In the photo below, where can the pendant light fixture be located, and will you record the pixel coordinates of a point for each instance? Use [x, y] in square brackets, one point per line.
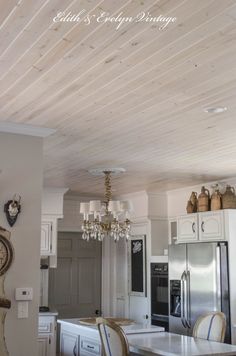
[108, 218]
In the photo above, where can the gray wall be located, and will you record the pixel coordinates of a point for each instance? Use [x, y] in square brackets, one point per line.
[22, 169]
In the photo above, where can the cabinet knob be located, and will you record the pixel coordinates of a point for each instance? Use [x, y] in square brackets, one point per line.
[193, 227]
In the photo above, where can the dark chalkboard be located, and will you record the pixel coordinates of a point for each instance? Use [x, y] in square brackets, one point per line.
[138, 265]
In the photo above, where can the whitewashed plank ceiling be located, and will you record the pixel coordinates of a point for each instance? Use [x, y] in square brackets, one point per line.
[131, 97]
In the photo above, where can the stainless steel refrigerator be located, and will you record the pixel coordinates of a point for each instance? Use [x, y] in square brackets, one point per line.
[198, 283]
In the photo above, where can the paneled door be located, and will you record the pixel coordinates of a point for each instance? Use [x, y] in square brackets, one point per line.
[75, 285]
[43, 341]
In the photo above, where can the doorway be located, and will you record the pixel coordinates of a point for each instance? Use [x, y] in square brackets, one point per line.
[75, 285]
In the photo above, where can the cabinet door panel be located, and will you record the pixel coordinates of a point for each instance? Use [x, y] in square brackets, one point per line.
[187, 228]
[69, 344]
[89, 347]
[211, 226]
[43, 342]
[46, 238]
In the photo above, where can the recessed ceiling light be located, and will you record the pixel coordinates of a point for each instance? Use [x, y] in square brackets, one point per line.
[215, 110]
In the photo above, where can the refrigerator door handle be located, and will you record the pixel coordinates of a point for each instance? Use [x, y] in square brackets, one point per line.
[183, 299]
[218, 277]
[188, 320]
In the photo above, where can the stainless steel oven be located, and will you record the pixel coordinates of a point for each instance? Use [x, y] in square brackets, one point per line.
[159, 295]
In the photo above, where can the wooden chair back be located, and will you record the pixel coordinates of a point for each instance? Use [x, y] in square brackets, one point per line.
[210, 326]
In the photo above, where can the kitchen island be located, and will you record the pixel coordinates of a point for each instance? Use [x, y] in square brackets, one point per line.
[169, 344]
[83, 340]
[78, 339]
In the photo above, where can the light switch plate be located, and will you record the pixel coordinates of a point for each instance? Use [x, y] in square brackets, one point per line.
[22, 310]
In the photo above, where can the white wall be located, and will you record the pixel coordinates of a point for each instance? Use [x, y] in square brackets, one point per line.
[52, 201]
[21, 166]
[72, 219]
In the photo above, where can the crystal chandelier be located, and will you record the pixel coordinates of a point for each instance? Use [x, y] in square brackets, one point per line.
[107, 218]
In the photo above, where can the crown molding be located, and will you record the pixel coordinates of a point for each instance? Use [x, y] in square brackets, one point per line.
[52, 190]
[158, 217]
[25, 129]
[230, 180]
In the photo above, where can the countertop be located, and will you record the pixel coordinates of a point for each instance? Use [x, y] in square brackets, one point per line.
[51, 312]
[128, 329]
[169, 344]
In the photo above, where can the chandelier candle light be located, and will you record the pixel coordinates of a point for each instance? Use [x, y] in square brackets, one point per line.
[107, 218]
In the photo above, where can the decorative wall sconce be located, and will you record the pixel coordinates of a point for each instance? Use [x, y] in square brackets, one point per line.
[12, 209]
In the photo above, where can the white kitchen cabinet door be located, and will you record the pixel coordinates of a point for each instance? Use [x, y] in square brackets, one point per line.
[43, 345]
[47, 335]
[69, 344]
[89, 347]
[46, 238]
[187, 227]
[211, 226]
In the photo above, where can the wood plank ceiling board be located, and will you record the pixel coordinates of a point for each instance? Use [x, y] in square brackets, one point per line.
[93, 60]
[108, 101]
[97, 73]
[132, 97]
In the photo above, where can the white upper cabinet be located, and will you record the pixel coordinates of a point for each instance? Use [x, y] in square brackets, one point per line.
[52, 210]
[46, 238]
[187, 228]
[211, 226]
[207, 226]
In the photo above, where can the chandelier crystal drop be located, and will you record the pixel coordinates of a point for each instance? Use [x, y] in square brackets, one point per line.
[107, 218]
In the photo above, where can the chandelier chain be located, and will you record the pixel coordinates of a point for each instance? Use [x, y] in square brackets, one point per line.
[107, 187]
